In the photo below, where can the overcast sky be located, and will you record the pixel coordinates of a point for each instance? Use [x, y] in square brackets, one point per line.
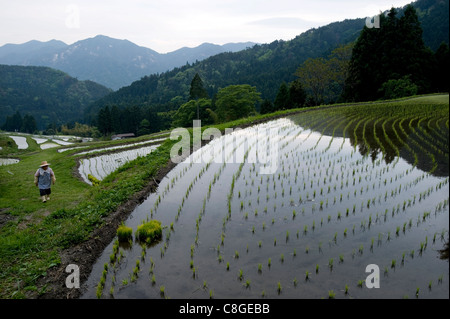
[167, 25]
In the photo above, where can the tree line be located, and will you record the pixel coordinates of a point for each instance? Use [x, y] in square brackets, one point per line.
[17, 123]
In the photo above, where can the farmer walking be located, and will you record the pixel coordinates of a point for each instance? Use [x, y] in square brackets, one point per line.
[43, 179]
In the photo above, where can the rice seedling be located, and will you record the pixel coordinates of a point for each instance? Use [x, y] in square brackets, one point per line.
[241, 275]
[346, 289]
[317, 268]
[149, 231]
[307, 275]
[279, 288]
[331, 294]
[124, 233]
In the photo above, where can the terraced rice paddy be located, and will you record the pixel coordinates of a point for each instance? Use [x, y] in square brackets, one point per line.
[20, 141]
[8, 161]
[354, 186]
[103, 165]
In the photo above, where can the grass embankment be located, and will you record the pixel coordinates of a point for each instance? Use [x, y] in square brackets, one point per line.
[33, 234]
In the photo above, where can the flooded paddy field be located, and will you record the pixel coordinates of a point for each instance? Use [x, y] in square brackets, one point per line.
[352, 187]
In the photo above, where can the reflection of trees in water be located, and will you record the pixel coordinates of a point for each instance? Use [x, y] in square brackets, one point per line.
[444, 252]
[391, 136]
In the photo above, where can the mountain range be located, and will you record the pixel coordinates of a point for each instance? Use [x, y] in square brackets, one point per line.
[111, 62]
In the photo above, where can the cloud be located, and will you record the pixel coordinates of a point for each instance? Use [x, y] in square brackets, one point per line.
[284, 23]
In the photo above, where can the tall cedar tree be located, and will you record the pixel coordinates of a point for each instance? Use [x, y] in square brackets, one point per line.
[391, 52]
[282, 98]
[297, 95]
[197, 90]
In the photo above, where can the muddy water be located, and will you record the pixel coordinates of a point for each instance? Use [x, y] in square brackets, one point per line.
[350, 211]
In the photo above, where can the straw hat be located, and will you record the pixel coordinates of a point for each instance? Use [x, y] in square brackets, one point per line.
[44, 163]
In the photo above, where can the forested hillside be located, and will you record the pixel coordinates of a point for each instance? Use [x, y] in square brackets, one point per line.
[265, 66]
[48, 95]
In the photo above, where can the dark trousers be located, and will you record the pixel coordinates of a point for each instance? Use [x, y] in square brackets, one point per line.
[44, 192]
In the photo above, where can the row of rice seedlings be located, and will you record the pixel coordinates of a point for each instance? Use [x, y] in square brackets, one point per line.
[103, 165]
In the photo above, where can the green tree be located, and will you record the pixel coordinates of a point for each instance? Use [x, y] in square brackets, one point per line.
[17, 122]
[132, 117]
[116, 126]
[393, 89]
[339, 62]
[442, 59]
[188, 112]
[197, 90]
[267, 107]
[416, 57]
[29, 124]
[315, 76]
[153, 118]
[104, 121]
[297, 95]
[393, 51]
[144, 127]
[282, 98]
[236, 101]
